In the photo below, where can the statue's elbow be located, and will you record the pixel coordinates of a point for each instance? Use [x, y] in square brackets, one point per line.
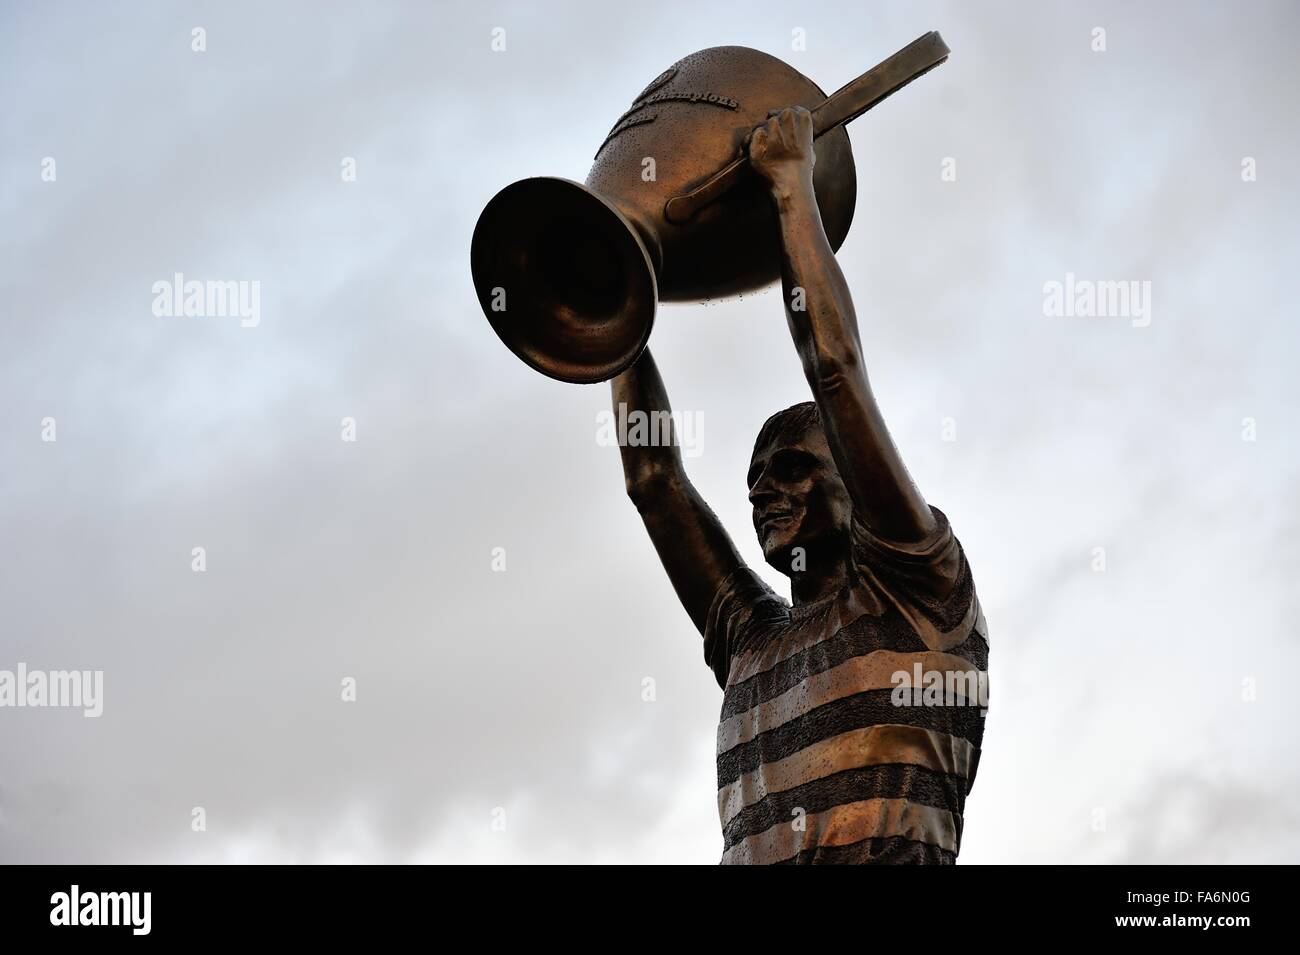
[644, 486]
[648, 486]
[831, 373]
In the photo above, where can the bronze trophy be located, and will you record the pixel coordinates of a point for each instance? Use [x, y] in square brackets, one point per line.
[569, 275]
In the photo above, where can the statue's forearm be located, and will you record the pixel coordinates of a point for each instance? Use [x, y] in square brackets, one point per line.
[692, 544]
[818, 304]
[825, 331]
[641, 389]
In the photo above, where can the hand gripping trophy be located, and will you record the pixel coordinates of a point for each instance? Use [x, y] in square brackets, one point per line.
[852, 715]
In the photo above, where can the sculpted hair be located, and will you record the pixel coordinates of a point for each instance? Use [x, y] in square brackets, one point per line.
[788, 425]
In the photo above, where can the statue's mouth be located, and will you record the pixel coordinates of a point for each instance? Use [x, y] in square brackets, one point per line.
[770, 520]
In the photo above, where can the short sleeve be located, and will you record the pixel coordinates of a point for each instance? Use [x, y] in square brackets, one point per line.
[742, 603]
[928, 581]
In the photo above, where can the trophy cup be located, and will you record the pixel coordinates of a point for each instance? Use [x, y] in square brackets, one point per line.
[569, 275]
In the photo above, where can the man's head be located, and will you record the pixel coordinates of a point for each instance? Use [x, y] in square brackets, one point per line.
[798, 497]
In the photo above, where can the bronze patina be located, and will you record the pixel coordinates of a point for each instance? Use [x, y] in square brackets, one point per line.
[852, 713]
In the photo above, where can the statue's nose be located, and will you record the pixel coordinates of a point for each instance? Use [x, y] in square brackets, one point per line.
[762, 492]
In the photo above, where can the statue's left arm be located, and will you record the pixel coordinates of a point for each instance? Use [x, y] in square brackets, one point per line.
[825, 331]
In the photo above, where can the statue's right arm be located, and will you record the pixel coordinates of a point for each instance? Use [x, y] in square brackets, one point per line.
[692, 544]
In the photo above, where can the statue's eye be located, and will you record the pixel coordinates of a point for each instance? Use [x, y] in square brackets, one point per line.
[795, 467]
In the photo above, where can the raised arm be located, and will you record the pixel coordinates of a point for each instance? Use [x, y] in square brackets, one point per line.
[693, 547]
[825, 331]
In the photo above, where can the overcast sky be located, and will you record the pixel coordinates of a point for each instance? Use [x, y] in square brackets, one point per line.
[1122, 725]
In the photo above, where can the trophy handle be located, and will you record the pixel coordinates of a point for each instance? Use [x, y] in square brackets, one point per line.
[844, 105]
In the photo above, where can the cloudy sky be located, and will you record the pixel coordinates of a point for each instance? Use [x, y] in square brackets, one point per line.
[1140, 713]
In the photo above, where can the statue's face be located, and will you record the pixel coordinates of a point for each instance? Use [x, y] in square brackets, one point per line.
[799, 501]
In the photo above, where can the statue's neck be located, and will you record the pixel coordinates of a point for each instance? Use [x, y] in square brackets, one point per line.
[820, 581]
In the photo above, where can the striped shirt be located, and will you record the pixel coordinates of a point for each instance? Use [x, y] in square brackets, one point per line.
[822, 758]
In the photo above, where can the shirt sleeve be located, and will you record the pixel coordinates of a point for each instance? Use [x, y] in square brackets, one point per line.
[928, 581]
[742, 603]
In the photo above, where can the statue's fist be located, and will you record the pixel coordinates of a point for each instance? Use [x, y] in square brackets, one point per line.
[783, 146]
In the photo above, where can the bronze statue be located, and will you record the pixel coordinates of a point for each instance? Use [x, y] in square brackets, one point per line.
[852, 716]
